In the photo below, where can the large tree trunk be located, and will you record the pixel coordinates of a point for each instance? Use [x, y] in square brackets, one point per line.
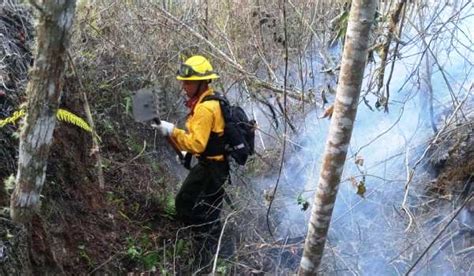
[347, 98]
[43, 91]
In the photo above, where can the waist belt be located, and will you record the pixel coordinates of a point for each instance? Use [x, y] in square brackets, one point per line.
[204, 158]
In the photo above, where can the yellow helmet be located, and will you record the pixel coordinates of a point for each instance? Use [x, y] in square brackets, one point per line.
[196, 68]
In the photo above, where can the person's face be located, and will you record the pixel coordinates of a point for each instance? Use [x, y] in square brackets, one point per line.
[190, 87]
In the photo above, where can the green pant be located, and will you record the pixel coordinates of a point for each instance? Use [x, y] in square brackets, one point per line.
[200, 198]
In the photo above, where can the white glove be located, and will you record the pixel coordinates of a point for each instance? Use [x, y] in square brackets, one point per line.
[165, 128]
[181, 161]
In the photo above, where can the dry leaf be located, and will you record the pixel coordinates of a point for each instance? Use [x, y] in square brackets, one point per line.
[361, 189]
[359, 161]
[354, 182]
[268, 196]
[93, 151]
[328, 112]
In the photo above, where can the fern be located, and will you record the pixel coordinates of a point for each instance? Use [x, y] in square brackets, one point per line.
[69, 117]
[12, 119]
[61, 115]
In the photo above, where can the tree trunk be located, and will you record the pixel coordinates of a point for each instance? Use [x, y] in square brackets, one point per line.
[394, 19]
[347, 98]
[426, 91]
[43, 92]
[426, 87]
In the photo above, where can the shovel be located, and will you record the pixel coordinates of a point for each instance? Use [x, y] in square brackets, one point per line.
[145, 109]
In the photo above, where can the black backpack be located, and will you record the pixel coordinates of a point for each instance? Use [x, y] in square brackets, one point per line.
[239, 131]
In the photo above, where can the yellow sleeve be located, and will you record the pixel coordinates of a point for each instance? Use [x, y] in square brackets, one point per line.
[195, 139]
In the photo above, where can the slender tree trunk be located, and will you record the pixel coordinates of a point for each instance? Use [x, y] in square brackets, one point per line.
[394, 17]
[347, 97]
[426, 91]
[43, 91]
[426, 87]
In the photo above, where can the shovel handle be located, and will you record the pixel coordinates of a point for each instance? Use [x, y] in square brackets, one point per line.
[175, 147]
[171, 142]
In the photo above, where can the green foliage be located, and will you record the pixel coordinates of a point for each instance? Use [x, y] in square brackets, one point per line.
[169, 205]
[12, 119]
[112, 198]
[181, 247]
[150, 260]
[8, 235]
[127, 106]
[61, 115]
[15, 135]
[340, 23]
[9, 184]
[134, 145]
[223, 267]
[133, 252]
[156, 167]
[105, 86]
[303, 202]
[108, 126]
[69, 117]
[5, 211]
[88, 55]
[135, 208]
[141, 251]
[83, 254]
[106, 163]
[361, 189]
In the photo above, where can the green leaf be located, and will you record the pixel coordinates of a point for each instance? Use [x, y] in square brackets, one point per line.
[8, 235]
[181, 246]
[170, 207]
[150, 260]
[145, 241]
[303, 202]
[133, 252]
[128, 101]
[105, 86]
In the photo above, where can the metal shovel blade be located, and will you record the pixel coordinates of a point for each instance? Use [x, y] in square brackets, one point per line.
[145, 105]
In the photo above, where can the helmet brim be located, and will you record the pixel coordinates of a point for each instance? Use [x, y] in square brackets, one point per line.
[197, 78]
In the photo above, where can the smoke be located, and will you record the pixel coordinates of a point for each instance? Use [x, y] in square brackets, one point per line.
[369, 232]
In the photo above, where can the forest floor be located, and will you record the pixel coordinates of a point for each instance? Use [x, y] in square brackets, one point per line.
[129, 226]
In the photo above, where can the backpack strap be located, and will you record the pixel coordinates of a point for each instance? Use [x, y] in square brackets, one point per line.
[216, 144]
[216, 97]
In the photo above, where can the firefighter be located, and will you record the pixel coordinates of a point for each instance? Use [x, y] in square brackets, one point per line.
[199, 200]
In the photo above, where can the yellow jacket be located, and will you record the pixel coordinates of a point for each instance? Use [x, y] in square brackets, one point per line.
[207, 117]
